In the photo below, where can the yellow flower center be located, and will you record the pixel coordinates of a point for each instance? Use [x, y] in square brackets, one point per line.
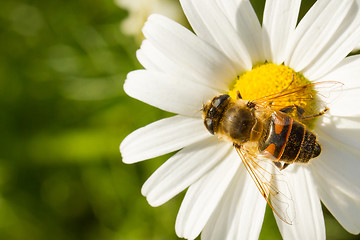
[269, 78]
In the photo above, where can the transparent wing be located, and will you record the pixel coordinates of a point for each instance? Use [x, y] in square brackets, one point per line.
[324, 93]
[268, 179]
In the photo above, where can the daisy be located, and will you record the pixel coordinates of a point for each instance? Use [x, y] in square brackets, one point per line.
[229, 52]
[357, 48]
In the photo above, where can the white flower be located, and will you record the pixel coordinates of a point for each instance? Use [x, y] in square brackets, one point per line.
[184, 71]
[140, 10]
[357, 48]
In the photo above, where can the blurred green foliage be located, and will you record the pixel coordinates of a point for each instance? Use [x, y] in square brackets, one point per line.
[63, 116]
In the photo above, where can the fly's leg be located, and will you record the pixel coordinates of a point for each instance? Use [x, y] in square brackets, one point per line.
[300, 112]
[238, 95]
[281, 166]
[290, 109]
[322, 112]
[284, 166]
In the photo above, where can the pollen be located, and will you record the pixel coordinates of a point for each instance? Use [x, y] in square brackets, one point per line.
[268, 79]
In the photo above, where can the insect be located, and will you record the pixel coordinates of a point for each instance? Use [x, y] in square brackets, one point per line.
[264, 127]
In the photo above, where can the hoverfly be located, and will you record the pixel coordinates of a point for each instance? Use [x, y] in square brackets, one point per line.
[263, 128]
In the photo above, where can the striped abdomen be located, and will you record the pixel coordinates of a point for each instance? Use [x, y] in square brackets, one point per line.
[288, 140]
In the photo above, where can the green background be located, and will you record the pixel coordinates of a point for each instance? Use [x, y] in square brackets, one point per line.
[63, 116]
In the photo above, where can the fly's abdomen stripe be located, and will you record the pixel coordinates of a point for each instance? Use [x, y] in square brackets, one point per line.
[307, 148]
[294, 143]
[278, 134]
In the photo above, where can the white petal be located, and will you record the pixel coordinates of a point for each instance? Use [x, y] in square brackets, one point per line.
[341, 44]
[168, 93]
[344, 208]
[175, 50]
[346, 72]
[344, 129]
[347, 101]
[212, 25]
[348, 104]
[356, 48]
[315, 29]
[183, 169]
[202, 197]
[280, 18]
[161, 137]
[243, 18]
[339, 164]
[309, 220]
[336, 172]
[240, 213]
[327, 33]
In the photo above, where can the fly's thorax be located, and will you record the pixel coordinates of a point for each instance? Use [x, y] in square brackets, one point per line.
[237, 122]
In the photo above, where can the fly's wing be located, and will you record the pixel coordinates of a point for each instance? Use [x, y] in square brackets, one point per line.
[319, 94]
[268, 179]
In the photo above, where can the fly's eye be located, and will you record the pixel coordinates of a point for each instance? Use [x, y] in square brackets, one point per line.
[216, 102]
[209, 124]
[212, 111]
[219, 100]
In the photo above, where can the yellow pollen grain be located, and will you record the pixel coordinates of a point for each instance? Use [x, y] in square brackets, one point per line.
[269, 78]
